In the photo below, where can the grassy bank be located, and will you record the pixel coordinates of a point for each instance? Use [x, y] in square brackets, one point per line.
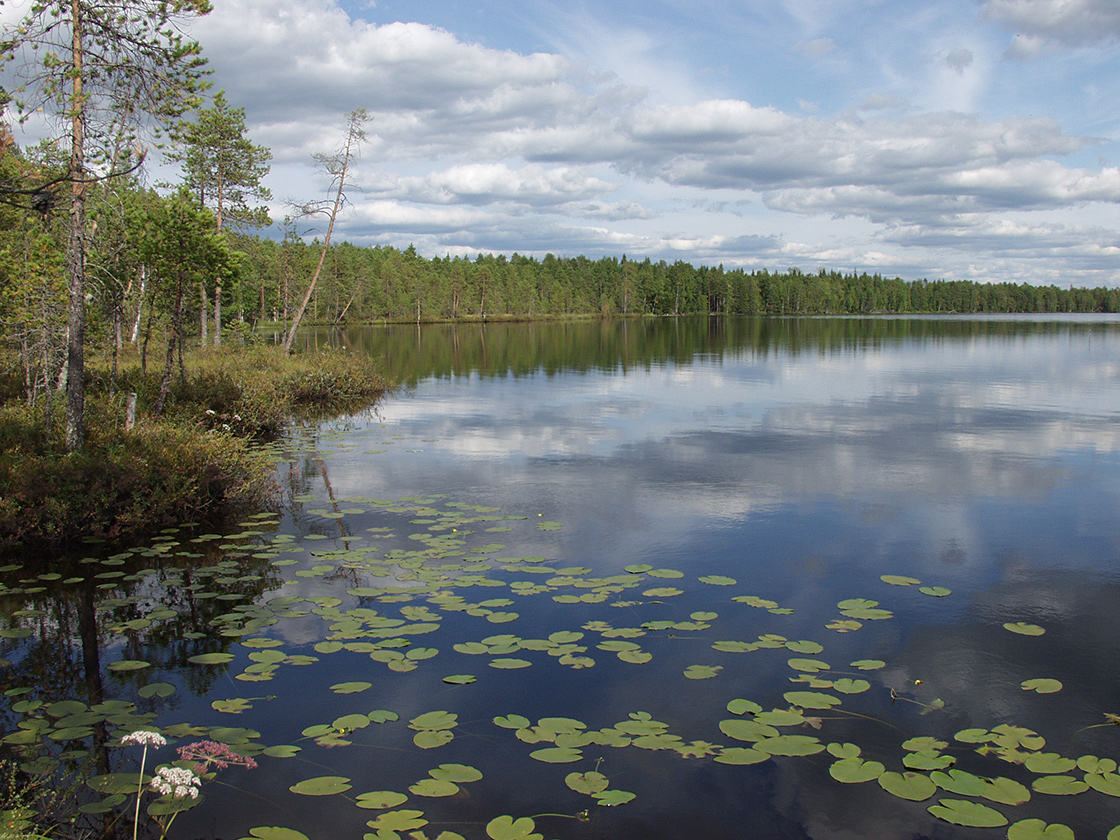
[197, 461]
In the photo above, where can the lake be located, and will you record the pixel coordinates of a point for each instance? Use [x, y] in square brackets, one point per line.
[674, 578]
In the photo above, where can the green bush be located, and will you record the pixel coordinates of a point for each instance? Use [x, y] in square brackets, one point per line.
[123, 484]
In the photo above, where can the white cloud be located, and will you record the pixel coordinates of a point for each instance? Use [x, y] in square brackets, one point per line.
[613, 143]
[1069, 23]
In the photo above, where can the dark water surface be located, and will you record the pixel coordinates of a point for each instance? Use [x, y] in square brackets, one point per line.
[600, 501]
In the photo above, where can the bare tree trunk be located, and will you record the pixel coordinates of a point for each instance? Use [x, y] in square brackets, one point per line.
[338, 167]
[75, 253]
[202, 311]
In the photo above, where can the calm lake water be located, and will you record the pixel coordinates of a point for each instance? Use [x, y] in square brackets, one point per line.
[758, 574]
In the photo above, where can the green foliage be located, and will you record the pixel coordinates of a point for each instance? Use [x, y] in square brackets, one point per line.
[120, 484]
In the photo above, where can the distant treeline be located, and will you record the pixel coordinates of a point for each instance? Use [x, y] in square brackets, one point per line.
[361, 284]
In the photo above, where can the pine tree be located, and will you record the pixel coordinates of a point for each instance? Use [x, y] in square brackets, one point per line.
[105, 71]
[224, 170]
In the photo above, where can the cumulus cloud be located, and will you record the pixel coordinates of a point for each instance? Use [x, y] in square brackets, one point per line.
[488, 183]
[474, 147]
[1068, 23]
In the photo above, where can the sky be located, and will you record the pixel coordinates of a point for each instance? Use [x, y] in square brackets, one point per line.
[949, 139]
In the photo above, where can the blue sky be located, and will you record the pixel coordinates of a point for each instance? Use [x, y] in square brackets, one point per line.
[958, 139]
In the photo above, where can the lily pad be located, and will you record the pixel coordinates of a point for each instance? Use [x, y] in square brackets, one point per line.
[1024, 629]
[855, 770]
[912, 786]
[506, 827]
[702, 672]
[899, 580]
[811, 699]
[380, 799]
[1041, 685]
[434, 788]
[350, 687]
[741, 756]
[610, 798]
[1059, 785]
[963, 812]
[588, 783]
[274, 832]
[557, 755]
[937, 592]
[790, 745]
[1038, 830]
[322, 786]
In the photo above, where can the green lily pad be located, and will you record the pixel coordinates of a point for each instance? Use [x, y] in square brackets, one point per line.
[899, 580]
[431, 739]
[610, 798]
[868, 664]
[1049, 762]
[557, 755]
[790, 745]
[745, 729]
[702, 672]
[459, 773]
[912, 786]
[742, 707]
[811, 666]
[963, 812]
[434, 788]
[512, 722]
[460, 679]
[811, 699]
[845, 685]
[635, 657]
[234, 706]
[274, 832]
[1038, 830]
[380, 800]
[1024, 629]
[405, 819]
[322, 786]
[1059, 785]
[434, 721]
[509, 664]
[937, 592]
[855, 770]
[159, 689]
[350, 687]
[1041, 685]
[587, 783]
[507, 828]
[741, 756]
[718, 580]
[1106, 783]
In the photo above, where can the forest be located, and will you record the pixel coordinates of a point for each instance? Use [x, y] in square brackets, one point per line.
[382, 283]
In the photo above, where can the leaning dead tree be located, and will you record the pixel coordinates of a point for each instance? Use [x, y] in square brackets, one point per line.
[336, 166]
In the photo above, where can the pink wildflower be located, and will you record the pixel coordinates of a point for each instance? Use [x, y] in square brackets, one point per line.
[205, 753]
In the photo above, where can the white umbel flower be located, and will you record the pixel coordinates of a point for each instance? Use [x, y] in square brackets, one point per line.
[175, 781]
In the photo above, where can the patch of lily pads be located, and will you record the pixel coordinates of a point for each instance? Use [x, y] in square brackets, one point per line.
[381, 595]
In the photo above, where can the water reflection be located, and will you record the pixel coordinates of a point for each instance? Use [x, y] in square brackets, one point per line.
[801, 459]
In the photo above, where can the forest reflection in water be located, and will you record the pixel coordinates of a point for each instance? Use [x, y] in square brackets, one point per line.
[636, 532]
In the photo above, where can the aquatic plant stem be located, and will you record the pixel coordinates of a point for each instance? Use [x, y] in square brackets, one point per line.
[139, 793]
